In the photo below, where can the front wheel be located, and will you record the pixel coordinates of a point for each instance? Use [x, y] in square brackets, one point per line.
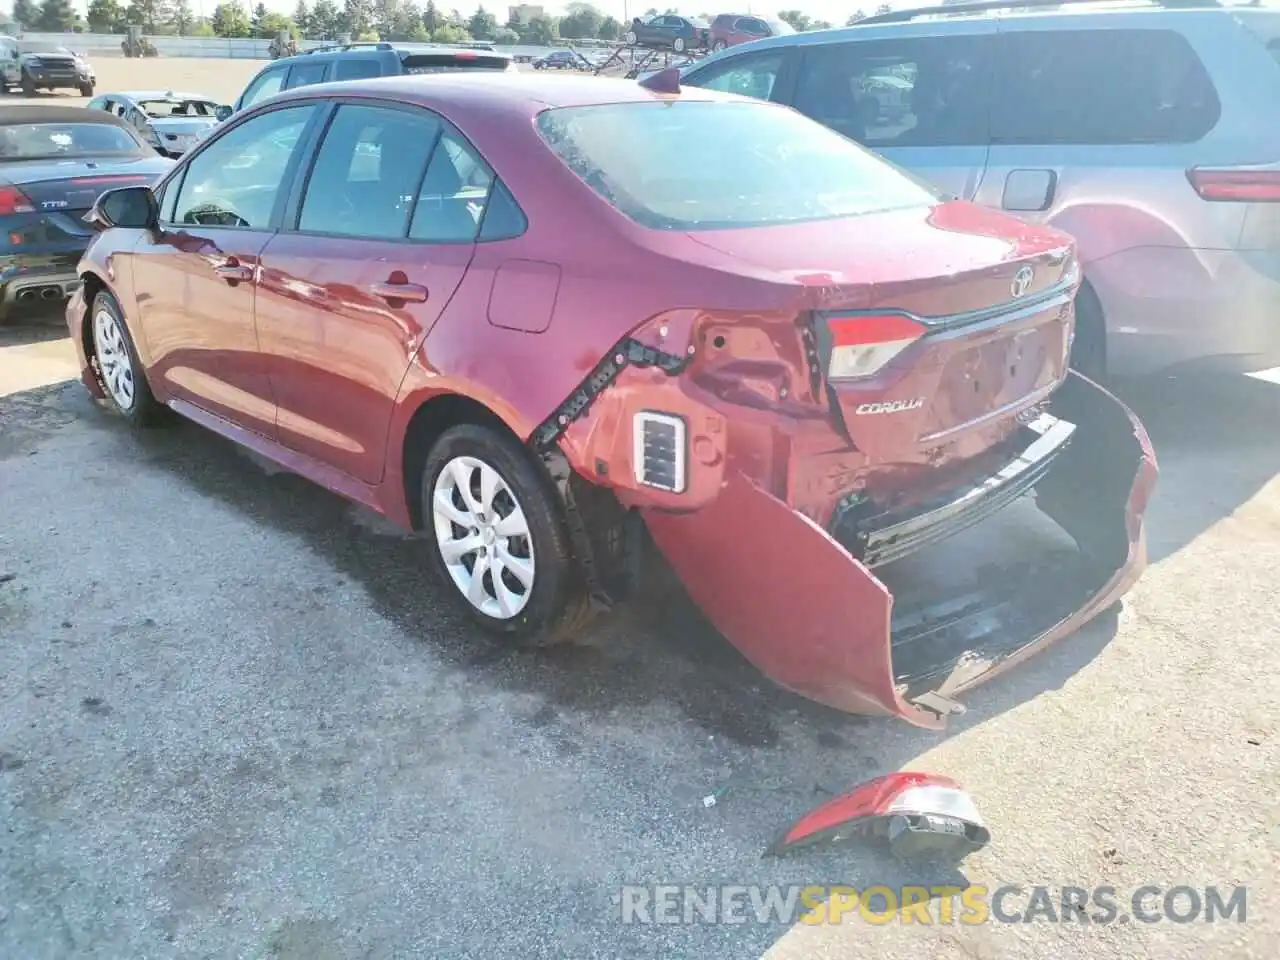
[678, 45]
[86, 89]
[118, 368]
[498, 541]
[28, 87]
[1089, 348]
[630, 38]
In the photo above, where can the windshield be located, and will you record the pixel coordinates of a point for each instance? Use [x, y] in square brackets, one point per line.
[39, 141]
[178, 108]
[439, 63]
[699, 165]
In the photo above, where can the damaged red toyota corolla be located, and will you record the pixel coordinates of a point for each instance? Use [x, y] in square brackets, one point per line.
[537, 317]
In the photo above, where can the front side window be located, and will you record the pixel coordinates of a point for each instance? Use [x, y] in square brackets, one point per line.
[1113, 86]
[705, 165]
[367, 172]
[236, 180]
[923, 92]
[753, 75]
[265, 86]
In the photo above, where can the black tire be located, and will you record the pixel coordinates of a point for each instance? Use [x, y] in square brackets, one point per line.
[679, 44]
[86, 89]
[1089, 349]
[28, 86]
[557, 608]
[145, 410]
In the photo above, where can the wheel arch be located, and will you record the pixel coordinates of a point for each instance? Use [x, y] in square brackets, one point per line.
[431, 416]
[92, 285]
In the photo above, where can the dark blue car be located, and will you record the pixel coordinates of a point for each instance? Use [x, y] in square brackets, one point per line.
[668, 31]
[54, 162]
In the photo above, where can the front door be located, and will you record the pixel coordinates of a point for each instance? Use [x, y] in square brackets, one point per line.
[920, 102]
[199, 270]
[347, 298]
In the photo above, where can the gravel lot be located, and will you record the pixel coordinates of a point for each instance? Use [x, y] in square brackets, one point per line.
[236, 722]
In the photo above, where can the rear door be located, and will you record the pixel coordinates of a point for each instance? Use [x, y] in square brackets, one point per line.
[379, 238]
[921, 102]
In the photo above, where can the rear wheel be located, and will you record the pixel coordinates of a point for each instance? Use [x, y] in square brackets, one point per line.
[678, 45]
[28, 86]
[498, 542]
[630, 38]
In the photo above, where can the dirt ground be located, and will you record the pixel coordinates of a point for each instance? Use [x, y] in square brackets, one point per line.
[237, 721]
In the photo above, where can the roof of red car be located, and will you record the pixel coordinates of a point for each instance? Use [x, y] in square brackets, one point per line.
[501, 92]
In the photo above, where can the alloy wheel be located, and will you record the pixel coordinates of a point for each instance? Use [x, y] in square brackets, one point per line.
[114, 360]
[483, 537]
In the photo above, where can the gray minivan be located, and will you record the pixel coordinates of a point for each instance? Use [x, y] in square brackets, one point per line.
[1147, 132]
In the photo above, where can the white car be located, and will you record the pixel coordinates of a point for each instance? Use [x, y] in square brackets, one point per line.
[172, 122]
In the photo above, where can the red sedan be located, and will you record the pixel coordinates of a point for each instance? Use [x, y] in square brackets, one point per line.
[550, 321]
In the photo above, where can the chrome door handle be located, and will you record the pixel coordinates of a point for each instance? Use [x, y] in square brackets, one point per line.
[234, 272]
[400, 292]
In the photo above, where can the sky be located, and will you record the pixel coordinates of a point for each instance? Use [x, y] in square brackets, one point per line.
[835, 11]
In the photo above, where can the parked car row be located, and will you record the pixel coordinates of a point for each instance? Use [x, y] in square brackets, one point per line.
[678, 33]
[1145, 133]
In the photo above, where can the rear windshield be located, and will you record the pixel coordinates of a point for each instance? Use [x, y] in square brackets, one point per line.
[439, 63]
[178, 108]
[39, 141]
[699, 165]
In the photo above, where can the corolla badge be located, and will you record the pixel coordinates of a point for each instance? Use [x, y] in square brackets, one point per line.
[888, 406]
[1022, 280]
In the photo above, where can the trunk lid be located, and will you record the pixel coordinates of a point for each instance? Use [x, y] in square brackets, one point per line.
[981, 300]
[73, 185]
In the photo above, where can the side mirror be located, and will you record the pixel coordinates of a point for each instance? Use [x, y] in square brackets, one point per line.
[134, 207]
[222, 112]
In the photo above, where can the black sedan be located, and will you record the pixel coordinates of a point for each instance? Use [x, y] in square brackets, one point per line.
[54, 162]
[668, 31]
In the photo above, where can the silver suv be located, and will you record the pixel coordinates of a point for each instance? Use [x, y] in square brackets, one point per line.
[1146, 131]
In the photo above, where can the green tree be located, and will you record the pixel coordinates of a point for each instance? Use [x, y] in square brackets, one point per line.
[104, 16]
[255, 18]
[357, 17]
[302, 17]
[180, 17]
[542, 31]
[799, 21]
[26, 13]
[230, 19]
[431, 20]
[396, 19]
[610, 29]
[148, 13]
[450, 33]
[270, 24]
[56, 16]
[855, 17]
[203, 29]
[483, 24]
[506, 37]
[325, 20]
[582, 20]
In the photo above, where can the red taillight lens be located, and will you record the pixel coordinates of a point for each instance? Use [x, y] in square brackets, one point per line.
[13, 200]
[862, 344]
[1241, 186]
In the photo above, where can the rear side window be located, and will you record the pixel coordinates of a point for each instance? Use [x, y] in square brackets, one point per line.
[304, 74]
[1100, 87]
[356, 68]
[705, 165]
[923, 92]
[366, 172]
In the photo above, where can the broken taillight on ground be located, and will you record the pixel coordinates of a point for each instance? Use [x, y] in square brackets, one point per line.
[921, 815]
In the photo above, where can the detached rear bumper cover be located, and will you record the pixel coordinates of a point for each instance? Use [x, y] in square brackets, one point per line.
[812, 616]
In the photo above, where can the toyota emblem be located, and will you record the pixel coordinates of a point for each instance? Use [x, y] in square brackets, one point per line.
[1022, 280]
